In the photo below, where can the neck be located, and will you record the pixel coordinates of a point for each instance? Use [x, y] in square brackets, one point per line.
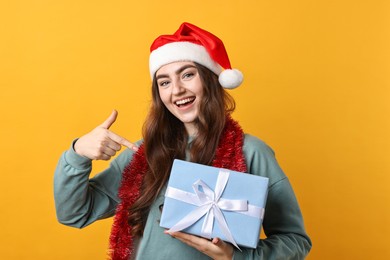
[191, 129]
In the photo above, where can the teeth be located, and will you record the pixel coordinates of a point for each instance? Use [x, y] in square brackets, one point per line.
[183, 101]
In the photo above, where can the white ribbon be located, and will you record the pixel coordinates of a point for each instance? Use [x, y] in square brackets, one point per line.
[210, 204]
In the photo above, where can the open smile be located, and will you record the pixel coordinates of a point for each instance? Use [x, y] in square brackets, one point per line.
[185, 101]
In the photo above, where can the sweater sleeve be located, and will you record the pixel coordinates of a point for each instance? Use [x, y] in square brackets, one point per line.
[283, 226]
[80, 200]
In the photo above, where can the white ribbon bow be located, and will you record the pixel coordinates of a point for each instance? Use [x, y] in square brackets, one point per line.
[210, 204]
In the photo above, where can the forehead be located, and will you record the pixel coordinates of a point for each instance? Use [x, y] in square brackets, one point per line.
[173, 67]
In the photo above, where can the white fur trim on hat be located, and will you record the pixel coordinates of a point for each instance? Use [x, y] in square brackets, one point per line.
[181, 51]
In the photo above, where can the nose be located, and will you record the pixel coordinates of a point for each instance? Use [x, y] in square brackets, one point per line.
[177, 87]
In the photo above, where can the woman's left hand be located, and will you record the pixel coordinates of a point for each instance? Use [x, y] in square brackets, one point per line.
[216, 248]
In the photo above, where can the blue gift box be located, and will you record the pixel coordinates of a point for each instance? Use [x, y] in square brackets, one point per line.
[213, 202]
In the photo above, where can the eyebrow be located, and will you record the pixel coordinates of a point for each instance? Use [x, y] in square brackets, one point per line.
[177, 72]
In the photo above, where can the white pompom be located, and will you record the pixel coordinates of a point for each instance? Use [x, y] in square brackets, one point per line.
[230, 78]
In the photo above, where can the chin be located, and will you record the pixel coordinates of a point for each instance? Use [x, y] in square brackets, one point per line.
[187, 119]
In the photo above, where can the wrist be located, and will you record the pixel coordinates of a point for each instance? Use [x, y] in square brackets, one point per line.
[75, 159]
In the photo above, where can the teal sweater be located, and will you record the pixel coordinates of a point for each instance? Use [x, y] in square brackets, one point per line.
[81, 200]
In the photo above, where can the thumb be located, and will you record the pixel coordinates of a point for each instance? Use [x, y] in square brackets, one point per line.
[216, 241]
[110, 120]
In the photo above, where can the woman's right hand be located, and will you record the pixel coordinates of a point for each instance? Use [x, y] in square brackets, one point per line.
[101, 143]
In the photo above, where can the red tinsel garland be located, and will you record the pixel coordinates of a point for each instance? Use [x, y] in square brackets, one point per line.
[229, 155]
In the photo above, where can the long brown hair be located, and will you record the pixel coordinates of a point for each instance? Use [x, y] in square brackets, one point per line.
[166, 139]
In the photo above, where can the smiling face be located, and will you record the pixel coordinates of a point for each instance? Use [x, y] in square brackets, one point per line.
[181, 90]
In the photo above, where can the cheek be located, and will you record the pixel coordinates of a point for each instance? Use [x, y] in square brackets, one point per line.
[164, 96]
[199, 88]
[200, 92]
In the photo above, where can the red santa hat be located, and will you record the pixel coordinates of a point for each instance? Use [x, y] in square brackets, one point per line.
[191, 43]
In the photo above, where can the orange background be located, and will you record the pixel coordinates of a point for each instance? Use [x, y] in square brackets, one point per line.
[316, 89]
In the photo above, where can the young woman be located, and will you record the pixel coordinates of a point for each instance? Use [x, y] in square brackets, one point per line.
[189, 119]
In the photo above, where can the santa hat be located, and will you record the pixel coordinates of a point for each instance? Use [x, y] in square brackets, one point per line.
[191, 43]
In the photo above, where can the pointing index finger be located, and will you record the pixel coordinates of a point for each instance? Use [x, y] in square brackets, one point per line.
[122, 141]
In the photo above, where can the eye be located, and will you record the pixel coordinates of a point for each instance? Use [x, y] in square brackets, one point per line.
[163, 83]
[188, 75]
